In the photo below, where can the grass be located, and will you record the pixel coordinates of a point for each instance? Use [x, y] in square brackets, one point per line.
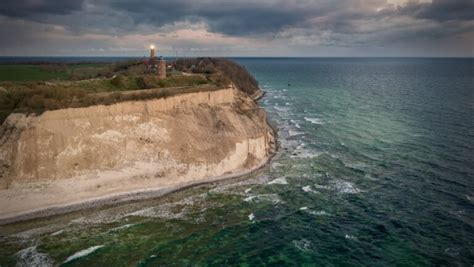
[29, 73]
[60, 71]
[37, 97]
[32, 88]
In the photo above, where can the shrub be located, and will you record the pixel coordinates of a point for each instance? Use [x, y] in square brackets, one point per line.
[36, 102]
[118, 81]
[51, 104]
[140, 82]
[161, 83]
[150, 81]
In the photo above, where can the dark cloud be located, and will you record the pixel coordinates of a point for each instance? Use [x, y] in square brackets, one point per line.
[253, 21]
[246, 18]
[234, 18]
[228, 17]
[441, 10]
[290, 23]
[32, 8]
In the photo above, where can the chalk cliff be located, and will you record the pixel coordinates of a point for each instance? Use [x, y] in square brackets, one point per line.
[68, 155]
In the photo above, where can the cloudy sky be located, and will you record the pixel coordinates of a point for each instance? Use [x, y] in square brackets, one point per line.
[237, 28]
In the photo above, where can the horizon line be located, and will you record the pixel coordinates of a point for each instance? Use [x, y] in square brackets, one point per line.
[283, 57]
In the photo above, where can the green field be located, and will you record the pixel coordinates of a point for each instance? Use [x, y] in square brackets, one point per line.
[30, 73]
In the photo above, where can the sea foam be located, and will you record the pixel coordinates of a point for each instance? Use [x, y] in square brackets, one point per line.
[82, 253]
[264, 197]
[296, 124]
[303, 244]
[345, 187]
[57, 233]
[251, 217]
[294, 133]
[31, 257]
[314, 120]
[308, 189]
[350, 237]
[313, 212]
[123, 227]
[281, 180]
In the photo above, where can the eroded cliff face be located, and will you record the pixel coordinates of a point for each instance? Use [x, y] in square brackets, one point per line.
[182, 138]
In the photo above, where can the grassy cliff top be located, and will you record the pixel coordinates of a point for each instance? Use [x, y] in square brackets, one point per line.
[37, 87]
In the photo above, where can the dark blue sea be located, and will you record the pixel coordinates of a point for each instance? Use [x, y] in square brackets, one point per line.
[375, 168]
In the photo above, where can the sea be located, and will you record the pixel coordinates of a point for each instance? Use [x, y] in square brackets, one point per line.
[375, 167]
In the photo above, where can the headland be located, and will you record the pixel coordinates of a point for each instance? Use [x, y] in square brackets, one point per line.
[109, 146]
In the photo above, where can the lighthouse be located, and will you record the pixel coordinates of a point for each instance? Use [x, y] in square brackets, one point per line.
[161, 68]
[157, 65]
[152, 51]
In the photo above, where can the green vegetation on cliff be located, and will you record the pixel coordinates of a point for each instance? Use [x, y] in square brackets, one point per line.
[36, 88]
[226, 70]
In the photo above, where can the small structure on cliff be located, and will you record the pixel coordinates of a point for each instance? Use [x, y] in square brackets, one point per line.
[156, 65]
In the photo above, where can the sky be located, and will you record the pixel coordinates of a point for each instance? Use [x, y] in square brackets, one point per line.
[280, 28]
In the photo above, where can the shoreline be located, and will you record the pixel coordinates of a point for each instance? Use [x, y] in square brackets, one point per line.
[120, 198]
[133, 195]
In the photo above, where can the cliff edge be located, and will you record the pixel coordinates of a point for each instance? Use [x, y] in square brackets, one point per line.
[65, 157]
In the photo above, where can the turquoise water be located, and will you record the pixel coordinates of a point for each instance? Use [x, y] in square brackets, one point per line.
[375, 167]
